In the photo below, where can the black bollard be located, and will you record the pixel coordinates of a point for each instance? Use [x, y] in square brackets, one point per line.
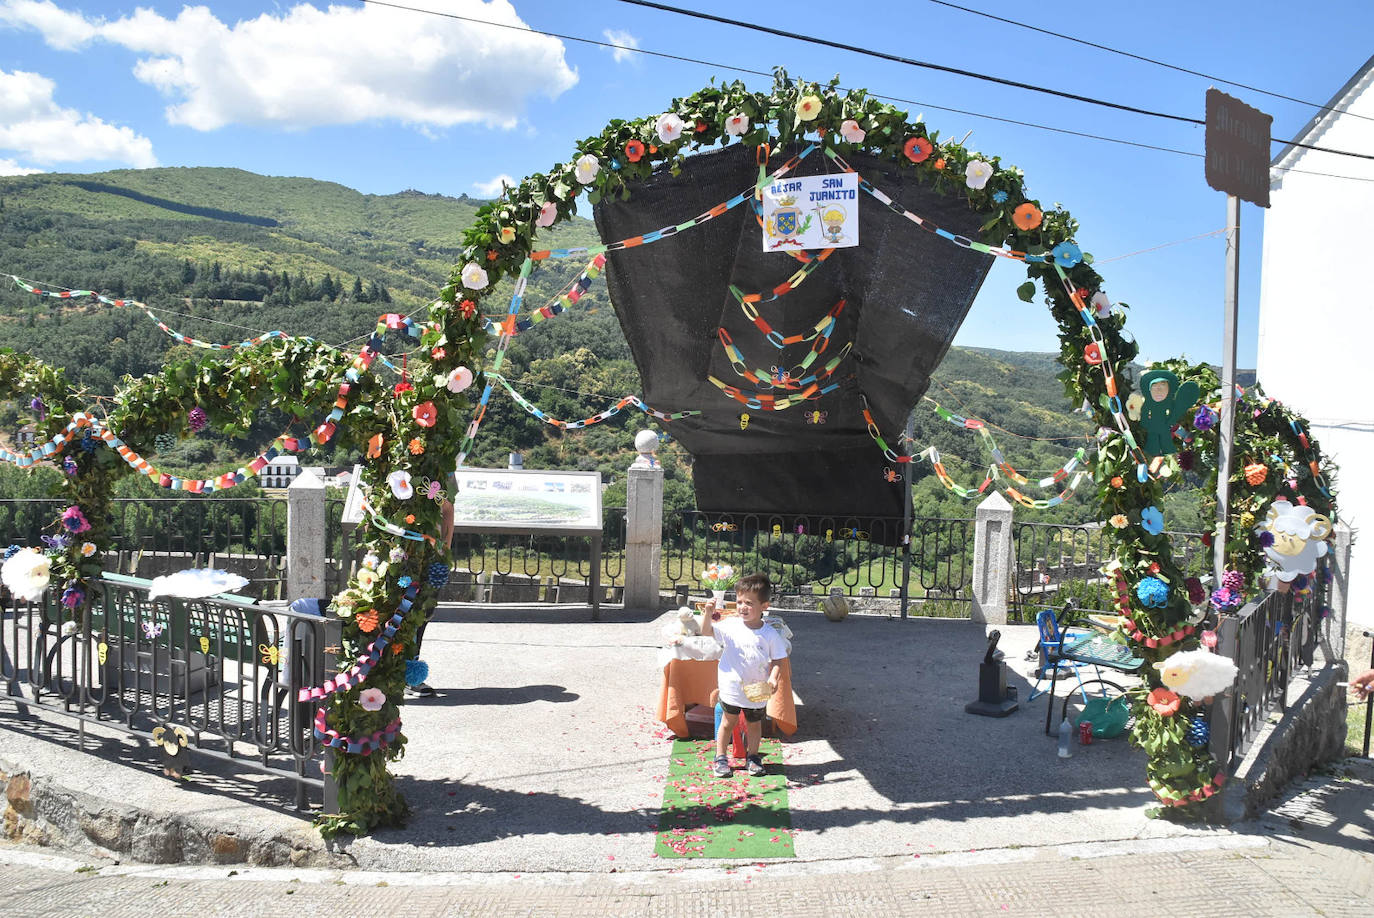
[993, 700]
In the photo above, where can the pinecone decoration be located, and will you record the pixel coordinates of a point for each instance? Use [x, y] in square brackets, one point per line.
[438, 575]
[1199, 733]
[197, 419]
[164, 442]
[1233, 581]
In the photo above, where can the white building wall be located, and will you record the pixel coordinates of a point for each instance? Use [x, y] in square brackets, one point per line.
[1316, 322]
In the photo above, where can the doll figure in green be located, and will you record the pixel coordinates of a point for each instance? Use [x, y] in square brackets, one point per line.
[1166, 402]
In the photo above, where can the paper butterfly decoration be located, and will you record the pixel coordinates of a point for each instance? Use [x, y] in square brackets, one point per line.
[434, 491]
[151, 630]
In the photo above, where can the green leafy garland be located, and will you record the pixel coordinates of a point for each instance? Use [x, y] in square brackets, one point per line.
[400, 434]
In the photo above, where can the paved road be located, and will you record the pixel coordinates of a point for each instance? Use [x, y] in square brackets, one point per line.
[1312, 855]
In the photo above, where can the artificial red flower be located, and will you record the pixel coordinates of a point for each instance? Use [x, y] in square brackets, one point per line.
[438, 353]
[1092, 354]
[1026, 217]
[917, 149]
[467, 308]
[701, 127]
[634, 151]
[425, 414]
[400, 387]
[1164, 702]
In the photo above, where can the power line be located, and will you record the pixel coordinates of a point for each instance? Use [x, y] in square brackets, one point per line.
[1148, 60]
[737, 69]
[972, 74]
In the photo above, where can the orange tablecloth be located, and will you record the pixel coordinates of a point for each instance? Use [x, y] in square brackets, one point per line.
[689, 682]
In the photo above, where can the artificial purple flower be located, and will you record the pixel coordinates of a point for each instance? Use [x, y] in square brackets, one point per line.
[1225, 600]
[197, 419]
[73, 597]
[1205, 418]
[69, 465]
[74, 520]
[1187, 460]
[36, 405]
[1266, 539]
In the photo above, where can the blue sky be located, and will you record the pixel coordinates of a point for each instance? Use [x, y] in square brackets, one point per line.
[382, 100]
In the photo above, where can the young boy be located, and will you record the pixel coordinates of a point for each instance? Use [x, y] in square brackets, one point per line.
[751, 652]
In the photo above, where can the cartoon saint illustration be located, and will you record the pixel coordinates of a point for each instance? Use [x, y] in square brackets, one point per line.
[1166, 402]
[832, 222]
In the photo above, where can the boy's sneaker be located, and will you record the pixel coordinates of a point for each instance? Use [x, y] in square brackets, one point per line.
[756, 766]
[422, 690]
[722, 767]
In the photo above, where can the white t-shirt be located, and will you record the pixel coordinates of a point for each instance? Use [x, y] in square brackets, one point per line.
[745, 657]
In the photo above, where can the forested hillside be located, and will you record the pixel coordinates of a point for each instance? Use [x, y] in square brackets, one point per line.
[222, 254]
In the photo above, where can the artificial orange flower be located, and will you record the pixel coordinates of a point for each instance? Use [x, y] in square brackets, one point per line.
[491, 255]
[1164, 702]
[396, 650]
[1117, 482]
[940, 163]
[425, 414]
[374, 446]
[653, 148]
[367, 621]
[701, 127]
[634, 151]
[917, 149]
[1026, 217]
[410, 519]
[416, 446]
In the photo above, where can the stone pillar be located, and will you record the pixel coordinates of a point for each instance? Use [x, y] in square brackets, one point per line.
[1338, 593]
[992, 560]
[306, 538]
[643, 536]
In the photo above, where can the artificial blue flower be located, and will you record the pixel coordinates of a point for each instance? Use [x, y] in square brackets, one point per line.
[403, 582]
[11, 552]
[1066, 254]
[1153, 593]
[999, 197]
[1205, 418]
[417, 671]
[1152, 520]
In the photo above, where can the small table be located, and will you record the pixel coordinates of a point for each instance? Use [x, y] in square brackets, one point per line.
[689, 682]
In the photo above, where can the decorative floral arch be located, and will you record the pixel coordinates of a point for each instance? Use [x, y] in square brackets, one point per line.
[413, 430]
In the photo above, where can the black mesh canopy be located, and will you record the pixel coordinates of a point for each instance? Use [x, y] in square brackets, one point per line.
[906, 293]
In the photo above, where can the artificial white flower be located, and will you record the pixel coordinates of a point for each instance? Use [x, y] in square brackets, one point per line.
[669, 127]
[737, 124]
[399, 481]
[68, 628]
[474, 276]
[977, 174]
[851, 131]
[371, 559]
[87, 549]
[26, 573]
[507, 235]
[1101, 304]
[586, 168]
[547, 214]
[459, 379]
[371, 699]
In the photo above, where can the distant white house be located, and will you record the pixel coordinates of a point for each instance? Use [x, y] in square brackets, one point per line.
[280, 472]
[1316, 323]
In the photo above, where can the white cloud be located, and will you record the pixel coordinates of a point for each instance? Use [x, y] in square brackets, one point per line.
[306, 66]
[493, 188]
[625, 45]
[34, 126]
[10, 167]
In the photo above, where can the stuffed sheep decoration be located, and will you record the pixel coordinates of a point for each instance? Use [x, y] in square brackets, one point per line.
[1197, 674]
[683, 624]
[1299, 533]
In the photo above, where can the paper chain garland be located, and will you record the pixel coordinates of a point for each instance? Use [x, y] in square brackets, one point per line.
[1167, 796]
[1003, 466]
[365, 746]
[564, 301]
[359, 671]
[39, 453]
[594, 419]
[171, 332]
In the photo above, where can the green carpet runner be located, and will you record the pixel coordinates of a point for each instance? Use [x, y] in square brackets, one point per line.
[736, 817]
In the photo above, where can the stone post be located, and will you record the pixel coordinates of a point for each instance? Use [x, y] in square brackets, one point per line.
[1338, 593]
[306, 539]
[992, 560]
[643, 526]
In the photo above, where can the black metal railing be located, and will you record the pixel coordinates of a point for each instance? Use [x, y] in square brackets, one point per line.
[526, 566]
[1268, 640]
[223, 672]
[1054, 562]
[809, 556]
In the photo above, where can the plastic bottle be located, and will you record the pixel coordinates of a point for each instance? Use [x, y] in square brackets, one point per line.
[1065, 738]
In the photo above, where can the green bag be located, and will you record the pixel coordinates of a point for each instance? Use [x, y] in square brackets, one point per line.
[1107, 715]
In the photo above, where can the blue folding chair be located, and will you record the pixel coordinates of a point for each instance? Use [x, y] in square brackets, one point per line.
[1074, 652]
[1052, 641]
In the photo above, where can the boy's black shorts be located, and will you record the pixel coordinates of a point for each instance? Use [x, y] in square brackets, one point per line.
[752, 715]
